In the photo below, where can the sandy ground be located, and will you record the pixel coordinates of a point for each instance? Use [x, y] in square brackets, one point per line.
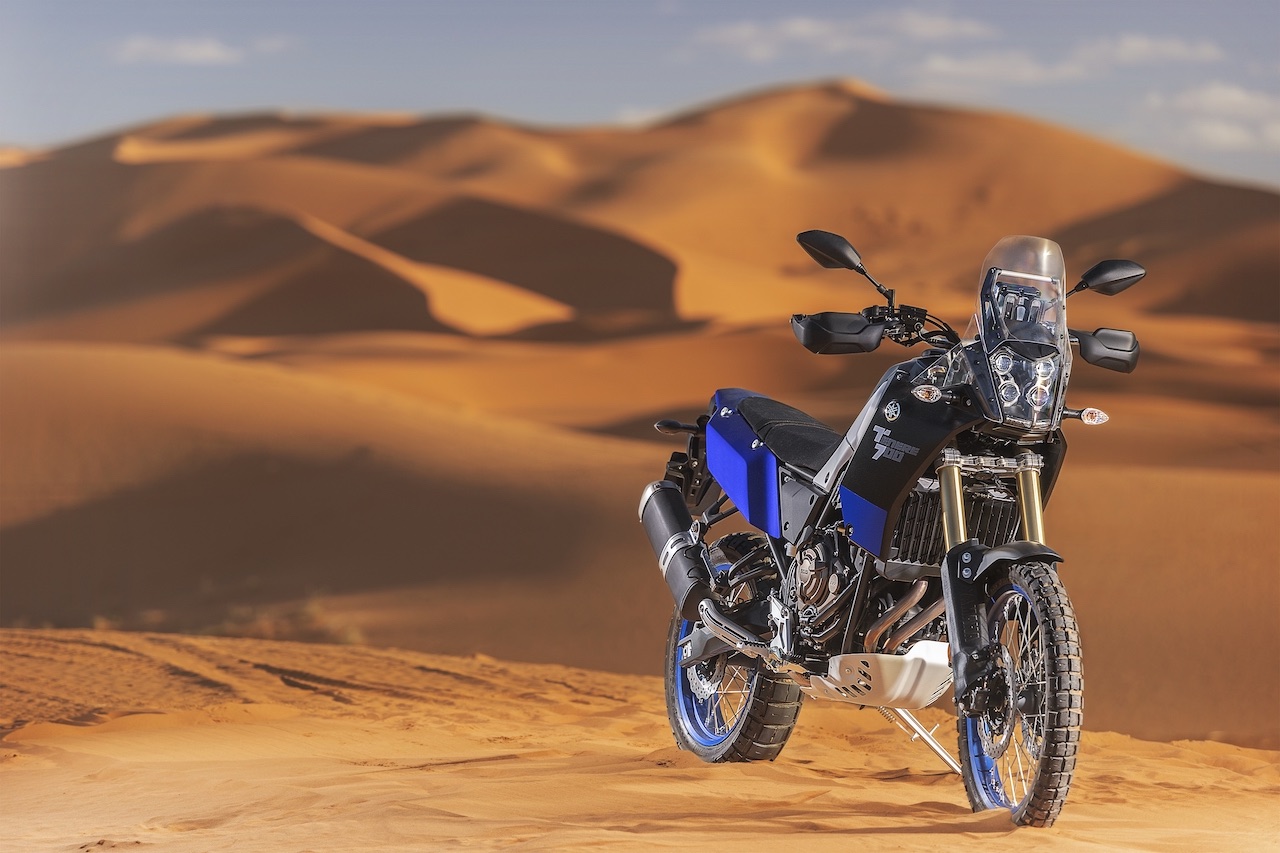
[204, 744]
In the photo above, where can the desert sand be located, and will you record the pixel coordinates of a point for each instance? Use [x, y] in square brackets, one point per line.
[221, 744]
[387, 382]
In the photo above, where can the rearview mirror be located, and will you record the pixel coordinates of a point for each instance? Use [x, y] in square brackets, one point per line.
[1111, 277]
[830, 250]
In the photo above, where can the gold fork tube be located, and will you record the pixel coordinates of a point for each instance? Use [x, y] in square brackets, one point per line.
[954, 528]
[1029, 503]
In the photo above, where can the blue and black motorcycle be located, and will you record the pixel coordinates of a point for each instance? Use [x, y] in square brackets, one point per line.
[903, 556]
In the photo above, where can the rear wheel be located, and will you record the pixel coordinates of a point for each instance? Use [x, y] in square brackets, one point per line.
[1020, 754]
[730, 707]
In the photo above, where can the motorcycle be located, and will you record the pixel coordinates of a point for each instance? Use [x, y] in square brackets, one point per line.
[903, 556]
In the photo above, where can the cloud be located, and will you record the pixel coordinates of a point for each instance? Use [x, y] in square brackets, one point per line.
[1090, 59]
[195, 51]
[640, 116]
[879, 34]
[927, 26]
[1220, 116]
[757, 42]
[1004, 67]
[149, 50]
[1137, 49]
[1221, 135]
[1228, 99]
[272, 45]
[1271, 135]
[887, 34]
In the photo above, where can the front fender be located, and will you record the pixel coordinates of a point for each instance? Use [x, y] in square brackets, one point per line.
[970, 560]
[967, 627]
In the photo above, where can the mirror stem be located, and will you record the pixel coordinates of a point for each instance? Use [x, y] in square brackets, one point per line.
[884, 291]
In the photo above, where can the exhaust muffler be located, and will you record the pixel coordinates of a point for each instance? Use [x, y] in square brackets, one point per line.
[681, 553]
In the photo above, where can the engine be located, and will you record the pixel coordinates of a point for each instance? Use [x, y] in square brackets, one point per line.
[815, 582]
[822, 587]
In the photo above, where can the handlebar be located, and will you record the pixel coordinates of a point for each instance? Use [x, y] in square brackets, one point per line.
[905, 325]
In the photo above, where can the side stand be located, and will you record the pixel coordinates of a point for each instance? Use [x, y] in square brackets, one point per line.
[909, 724]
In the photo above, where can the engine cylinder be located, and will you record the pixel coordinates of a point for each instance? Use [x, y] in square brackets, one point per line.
[681, 554]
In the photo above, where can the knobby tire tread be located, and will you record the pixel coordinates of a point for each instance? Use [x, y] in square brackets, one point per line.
[775, 701]
[1064, 703]
[770, 721]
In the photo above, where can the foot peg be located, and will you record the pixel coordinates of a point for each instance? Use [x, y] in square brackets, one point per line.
[727, 631]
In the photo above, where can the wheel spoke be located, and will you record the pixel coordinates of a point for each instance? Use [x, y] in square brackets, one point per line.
[1020, 728]
[720, 711]
[1031, 623]
[711, 702]
[1022, 767]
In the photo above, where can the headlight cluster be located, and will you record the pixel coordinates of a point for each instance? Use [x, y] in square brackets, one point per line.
[1022, 380]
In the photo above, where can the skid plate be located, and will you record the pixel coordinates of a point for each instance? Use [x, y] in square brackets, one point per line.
[913, 680]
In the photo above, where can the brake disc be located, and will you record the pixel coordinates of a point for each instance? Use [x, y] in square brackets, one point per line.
[997, 731]
[705, 677]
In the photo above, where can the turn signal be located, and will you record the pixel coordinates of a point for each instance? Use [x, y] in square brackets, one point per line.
[929, 394]
[1094, 417]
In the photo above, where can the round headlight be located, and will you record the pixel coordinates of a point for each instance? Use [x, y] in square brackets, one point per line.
[1038, 396]
[1008, 392]
[1002, 362]
[1045, 368]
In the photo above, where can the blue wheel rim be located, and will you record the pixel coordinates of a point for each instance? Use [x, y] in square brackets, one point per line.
[712, 721]
[983, 767]
[985, 774]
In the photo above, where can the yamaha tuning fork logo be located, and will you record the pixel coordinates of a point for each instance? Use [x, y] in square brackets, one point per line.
[892, 411]
[888, 448]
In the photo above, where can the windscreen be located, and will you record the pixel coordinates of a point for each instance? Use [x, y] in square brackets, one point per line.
[1022, 324]
[1016, 353]
[1022, 300]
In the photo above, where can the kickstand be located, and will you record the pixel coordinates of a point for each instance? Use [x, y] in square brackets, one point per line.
[909, 724]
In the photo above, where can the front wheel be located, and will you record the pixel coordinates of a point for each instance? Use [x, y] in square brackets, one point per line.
[728, 708]
[1020, 754]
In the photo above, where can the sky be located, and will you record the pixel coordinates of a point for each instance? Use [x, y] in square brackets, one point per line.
[1194, 83]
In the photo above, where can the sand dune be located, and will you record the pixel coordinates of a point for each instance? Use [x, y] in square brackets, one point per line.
[384, 378]
[923, 191]
[601, 274]
[165, 490]
[468, 301]
[222, 225]
[272, 746]
[142, 487]
[210, 246]
[1239, 224]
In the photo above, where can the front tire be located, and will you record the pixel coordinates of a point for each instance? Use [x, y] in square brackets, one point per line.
[1020, 754]
[728, 708]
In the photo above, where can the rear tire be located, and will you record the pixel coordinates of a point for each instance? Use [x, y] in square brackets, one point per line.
[728, 708]
[1021, 755]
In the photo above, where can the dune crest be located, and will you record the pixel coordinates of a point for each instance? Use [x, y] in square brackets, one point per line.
[471, 303]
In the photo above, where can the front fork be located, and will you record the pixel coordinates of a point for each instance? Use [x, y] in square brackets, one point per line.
[1027, 468]
[972, 652]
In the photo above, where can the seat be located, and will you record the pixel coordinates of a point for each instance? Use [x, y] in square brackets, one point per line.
[794, 437]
